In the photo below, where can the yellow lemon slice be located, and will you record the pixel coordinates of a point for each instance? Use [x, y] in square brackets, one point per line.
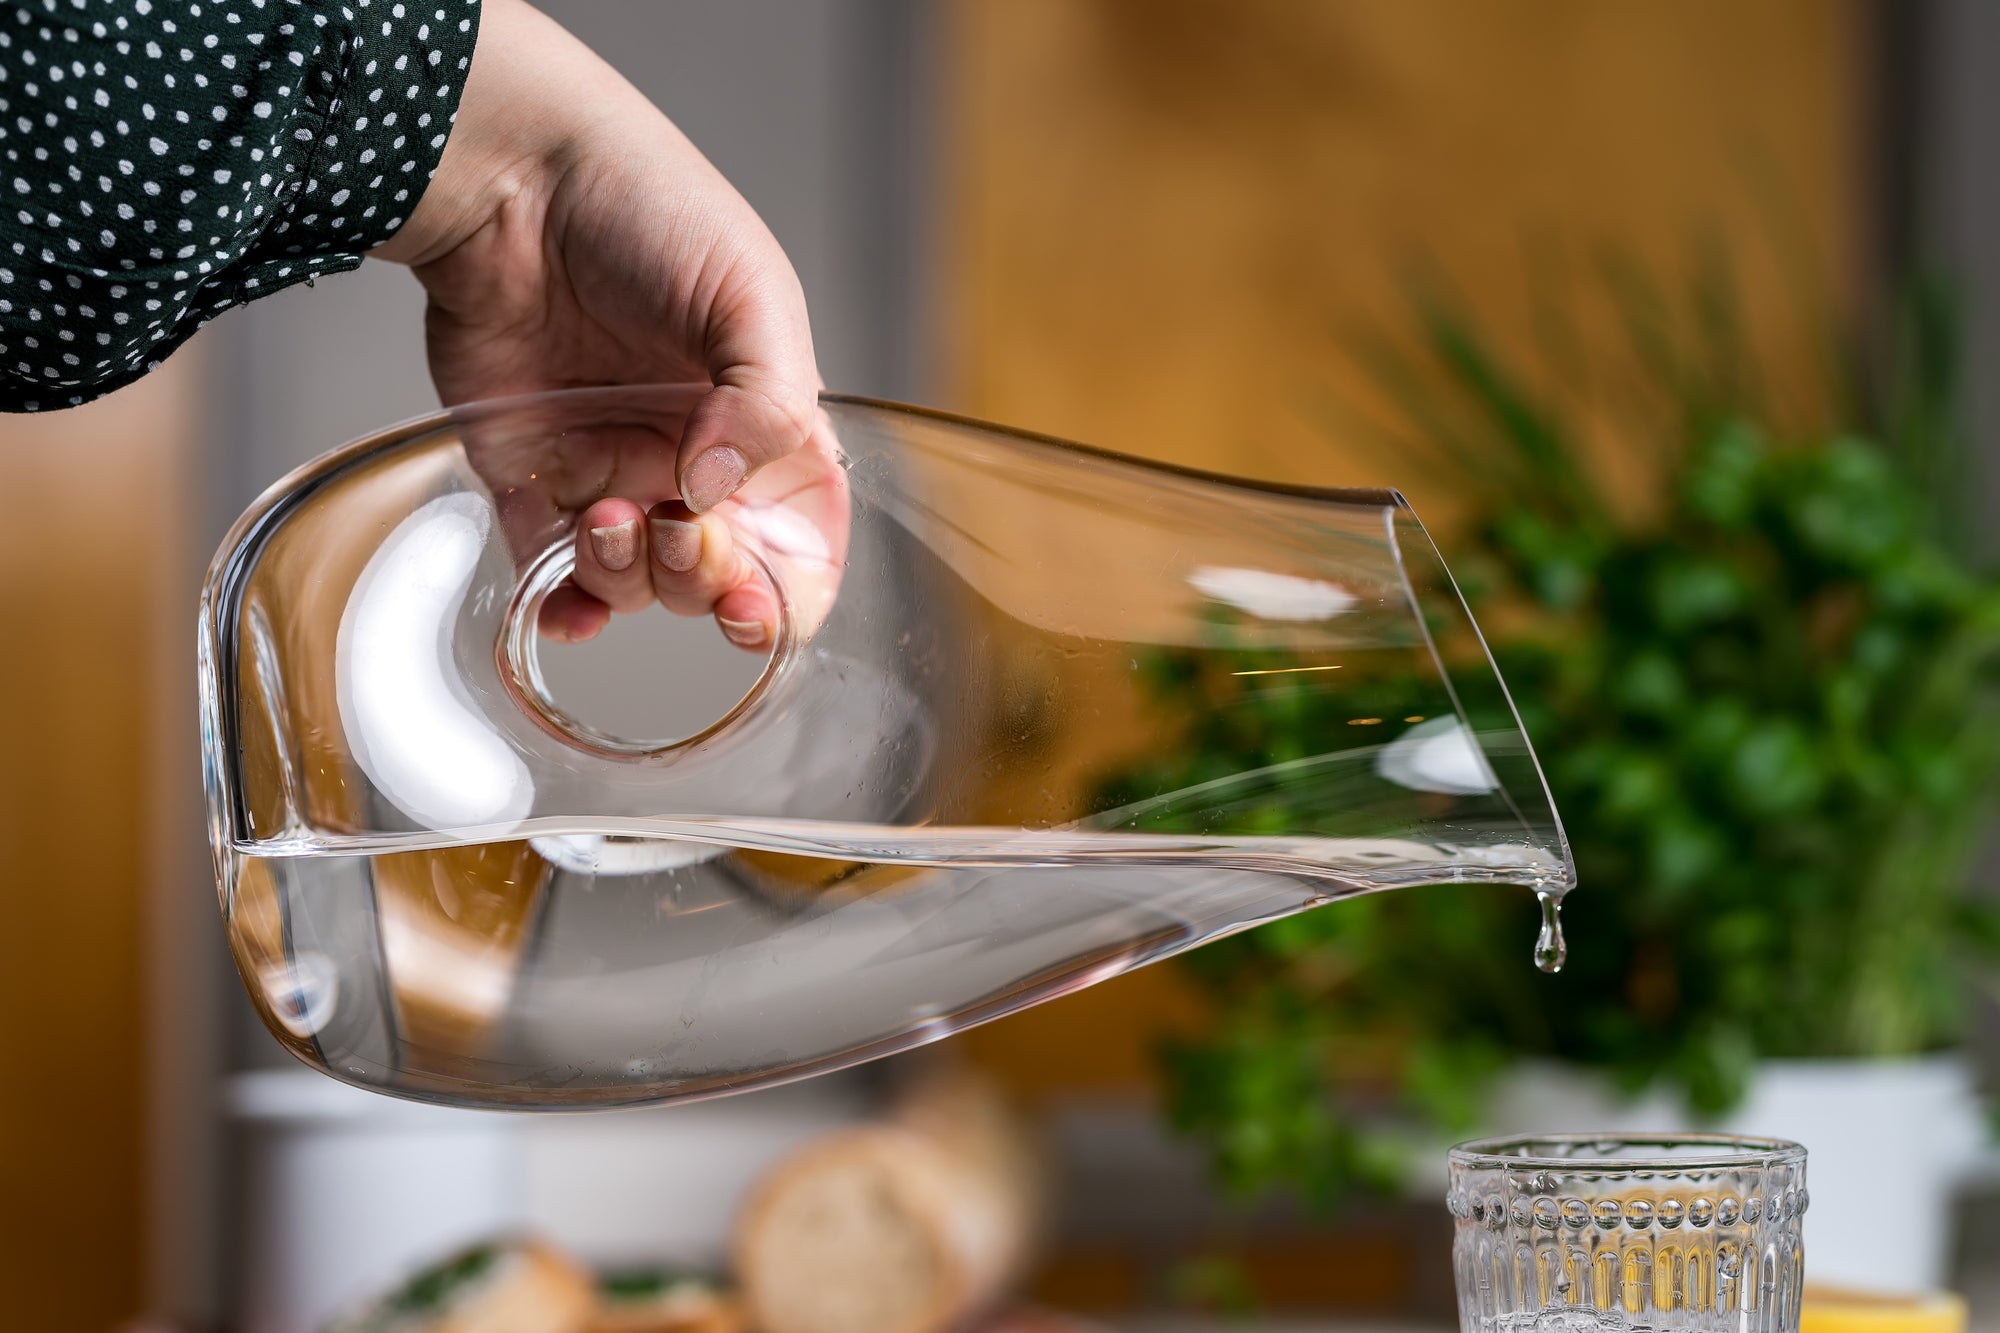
[1831, 1310]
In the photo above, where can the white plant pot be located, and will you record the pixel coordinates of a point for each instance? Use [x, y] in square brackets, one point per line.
[1889, 1144]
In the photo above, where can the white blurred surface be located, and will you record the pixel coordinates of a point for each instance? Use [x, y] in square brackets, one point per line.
[647, 1187]
[343, 1189]
[346, 1192]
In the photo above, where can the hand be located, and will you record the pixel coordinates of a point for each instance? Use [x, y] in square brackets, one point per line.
[572, 236]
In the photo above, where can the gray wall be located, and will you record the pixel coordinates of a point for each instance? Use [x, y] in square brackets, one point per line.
[1955, 114]
[1959, 206]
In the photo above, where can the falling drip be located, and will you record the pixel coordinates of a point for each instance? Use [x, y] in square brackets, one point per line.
[1550, 951]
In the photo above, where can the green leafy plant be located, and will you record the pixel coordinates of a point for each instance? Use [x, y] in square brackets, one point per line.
[1768, 701]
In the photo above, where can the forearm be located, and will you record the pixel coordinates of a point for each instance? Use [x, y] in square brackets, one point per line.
[165, 166]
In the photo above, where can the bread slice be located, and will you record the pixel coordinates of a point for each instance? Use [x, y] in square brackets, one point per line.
[906, 1226]
[499, 1287]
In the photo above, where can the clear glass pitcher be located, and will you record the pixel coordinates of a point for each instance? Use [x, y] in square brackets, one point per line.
[962, 783]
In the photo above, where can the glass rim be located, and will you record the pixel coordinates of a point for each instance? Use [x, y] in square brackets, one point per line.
[1525, 1151]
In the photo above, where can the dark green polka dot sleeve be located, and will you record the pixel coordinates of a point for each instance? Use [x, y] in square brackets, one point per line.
[163, 160]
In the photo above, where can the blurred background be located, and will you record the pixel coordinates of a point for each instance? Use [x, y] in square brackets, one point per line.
[1303, 240]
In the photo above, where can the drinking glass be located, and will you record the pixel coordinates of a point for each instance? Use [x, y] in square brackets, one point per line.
[1574, 1233]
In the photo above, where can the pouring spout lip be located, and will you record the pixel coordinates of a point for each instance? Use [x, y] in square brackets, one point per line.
[1557, 885]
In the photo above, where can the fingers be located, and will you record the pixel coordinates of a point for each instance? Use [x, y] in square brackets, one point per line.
[734, 431]
[748, 614]
[571, 615]
[697, 569]
[610, 574]
[765, 400]
[611, 555]
[626, 559]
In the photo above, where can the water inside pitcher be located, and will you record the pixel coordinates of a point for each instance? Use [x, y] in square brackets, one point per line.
[1034, 715]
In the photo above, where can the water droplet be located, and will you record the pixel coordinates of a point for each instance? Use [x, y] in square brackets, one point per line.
[1550, 950]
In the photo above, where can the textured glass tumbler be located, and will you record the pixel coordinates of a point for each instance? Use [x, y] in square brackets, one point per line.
[1573, 1233]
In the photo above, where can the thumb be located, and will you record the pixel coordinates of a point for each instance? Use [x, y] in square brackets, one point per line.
[763, 406]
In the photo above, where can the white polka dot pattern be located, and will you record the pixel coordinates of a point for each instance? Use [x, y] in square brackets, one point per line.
[163, 160]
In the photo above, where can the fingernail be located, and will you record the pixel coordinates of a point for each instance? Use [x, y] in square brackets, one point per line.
[743, 633]
[616, 546]
[676, 544]
[713, 478]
